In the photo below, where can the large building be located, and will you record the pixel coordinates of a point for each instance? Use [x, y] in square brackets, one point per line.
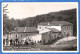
[23, 32]
[65, 27]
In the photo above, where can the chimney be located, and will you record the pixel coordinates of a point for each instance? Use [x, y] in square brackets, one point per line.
[48, 23]
[25, 29]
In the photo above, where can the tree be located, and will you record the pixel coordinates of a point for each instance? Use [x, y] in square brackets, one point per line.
[7, 25]
[60, 18]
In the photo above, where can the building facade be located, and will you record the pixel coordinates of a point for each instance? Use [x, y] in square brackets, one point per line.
[46, 36]
[18, 33]
[23, 32]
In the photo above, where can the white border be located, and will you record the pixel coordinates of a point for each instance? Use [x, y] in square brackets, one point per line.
[43, 51]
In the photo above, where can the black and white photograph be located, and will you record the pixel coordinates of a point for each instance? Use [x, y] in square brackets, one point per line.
[39, 26]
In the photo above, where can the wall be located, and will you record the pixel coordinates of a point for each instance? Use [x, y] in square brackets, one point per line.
[46, 37]
[54, 35]
[35, 38]
[40, 27]
[19, 35]
[67, 30]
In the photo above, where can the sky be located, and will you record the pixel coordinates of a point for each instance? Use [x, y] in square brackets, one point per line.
[24, 10]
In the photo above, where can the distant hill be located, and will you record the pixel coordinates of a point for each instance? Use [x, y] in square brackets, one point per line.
[65, 15]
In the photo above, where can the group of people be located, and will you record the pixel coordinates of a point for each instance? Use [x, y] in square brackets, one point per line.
[17, 42]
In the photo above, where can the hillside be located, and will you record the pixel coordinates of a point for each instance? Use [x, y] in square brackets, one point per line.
[66, 15]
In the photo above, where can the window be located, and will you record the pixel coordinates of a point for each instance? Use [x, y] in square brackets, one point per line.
[54, 35]
[21, 36]
[44, 41]
[48, 41]
[71, 27]
[65, 27]
[16, 35]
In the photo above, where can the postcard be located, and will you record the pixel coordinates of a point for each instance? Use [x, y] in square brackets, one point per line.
[39, 27]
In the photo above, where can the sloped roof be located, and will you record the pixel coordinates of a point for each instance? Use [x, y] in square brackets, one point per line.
[44, 31]
[48, 30]
[19, 29]
[54, 30]
[26, 29]
[31, 29]
[55, 23]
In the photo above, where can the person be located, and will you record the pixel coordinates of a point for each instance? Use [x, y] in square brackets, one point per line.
[3, 41]
[26, 43]
[11, 42]
[16, 41]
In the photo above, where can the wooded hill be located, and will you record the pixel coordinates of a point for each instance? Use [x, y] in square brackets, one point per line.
[65, 15]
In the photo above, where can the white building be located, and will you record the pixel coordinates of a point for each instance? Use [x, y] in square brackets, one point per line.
[65, 27]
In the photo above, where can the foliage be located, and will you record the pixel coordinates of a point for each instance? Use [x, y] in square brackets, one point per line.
[7, 25]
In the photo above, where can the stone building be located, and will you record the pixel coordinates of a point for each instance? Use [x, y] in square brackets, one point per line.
[46, 36]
